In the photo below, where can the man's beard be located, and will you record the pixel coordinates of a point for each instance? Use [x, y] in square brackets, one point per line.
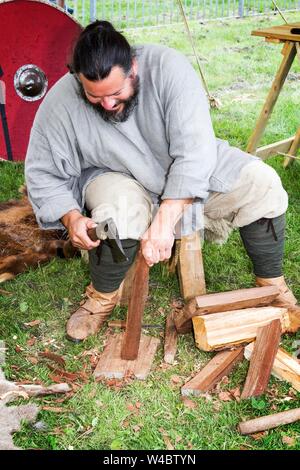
[115, 116]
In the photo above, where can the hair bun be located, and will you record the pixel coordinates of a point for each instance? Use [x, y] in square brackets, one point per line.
[102, 25]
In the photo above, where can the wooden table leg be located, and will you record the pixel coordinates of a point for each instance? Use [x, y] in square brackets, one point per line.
[293, 150]
[131, 342]
[289, 52]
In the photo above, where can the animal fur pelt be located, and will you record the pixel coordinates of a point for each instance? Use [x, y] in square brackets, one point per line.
[23, 244]
[217, 230]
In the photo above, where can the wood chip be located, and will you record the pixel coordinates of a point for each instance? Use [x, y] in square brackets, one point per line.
[53, 357]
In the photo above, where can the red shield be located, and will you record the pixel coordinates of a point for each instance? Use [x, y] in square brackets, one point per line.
[35, 42]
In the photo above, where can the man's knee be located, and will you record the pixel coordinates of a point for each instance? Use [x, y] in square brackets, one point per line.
[122, 198]
[262, 194]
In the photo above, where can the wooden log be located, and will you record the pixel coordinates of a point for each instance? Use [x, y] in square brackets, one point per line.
[190, 267]
[294, 316]
[136, 307]
[262, 359]
[226, 329]
[224, 301]
[170, 346]
[221, 364]
[269, 422]
[285, 366]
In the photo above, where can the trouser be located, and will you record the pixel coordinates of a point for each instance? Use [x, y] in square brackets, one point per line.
[256, 205]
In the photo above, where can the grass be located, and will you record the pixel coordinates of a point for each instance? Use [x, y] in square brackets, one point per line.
[143, 414]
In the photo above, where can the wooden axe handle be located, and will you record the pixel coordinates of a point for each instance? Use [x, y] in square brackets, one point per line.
[92, 234]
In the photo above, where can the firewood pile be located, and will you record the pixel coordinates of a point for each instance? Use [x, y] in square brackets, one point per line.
[236, 325]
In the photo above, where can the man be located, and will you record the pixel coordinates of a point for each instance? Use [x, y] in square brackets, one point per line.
[125, 131]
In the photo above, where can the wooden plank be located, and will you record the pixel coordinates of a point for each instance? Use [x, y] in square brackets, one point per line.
[285, 367]
[287, 32]
[111, 365]
[170, 346]
[262, 359]
[222, 302]
[236, 299]
[182, 318]
[221, 364]
[135, 310]
[226, 329]
[272, 97]
[269, 422]
[282, 146]
[190, 267]
[293, 149]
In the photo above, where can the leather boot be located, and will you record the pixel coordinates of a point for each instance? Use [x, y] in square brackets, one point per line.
[90, 316]
[286, 298]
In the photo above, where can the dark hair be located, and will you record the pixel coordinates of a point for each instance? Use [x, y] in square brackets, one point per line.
[98, 49]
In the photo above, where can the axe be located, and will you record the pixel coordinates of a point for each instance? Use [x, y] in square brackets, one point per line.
[108, 231]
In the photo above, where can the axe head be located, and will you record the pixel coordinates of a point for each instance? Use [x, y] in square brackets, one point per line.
[107, 230]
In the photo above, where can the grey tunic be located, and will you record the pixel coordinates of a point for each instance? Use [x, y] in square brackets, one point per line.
[167, 144]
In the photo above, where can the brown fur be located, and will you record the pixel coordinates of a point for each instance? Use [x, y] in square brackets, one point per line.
[23, 244]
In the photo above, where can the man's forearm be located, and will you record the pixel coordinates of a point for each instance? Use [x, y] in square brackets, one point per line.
[69, 217]
[170, 211]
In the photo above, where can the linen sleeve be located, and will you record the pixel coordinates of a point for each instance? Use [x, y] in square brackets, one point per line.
[51, 181]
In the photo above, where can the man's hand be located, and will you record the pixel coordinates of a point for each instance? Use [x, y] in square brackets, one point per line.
[156, 244]
[77, 226]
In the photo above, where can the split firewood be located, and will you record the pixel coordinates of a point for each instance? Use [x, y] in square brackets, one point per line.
[223, 302]
[262, 359]
[170, 346]
[285, 367]
[226, 329]
[221, 365]
[294, 314]
[190, 266]
[269, 422]
[183, 317]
